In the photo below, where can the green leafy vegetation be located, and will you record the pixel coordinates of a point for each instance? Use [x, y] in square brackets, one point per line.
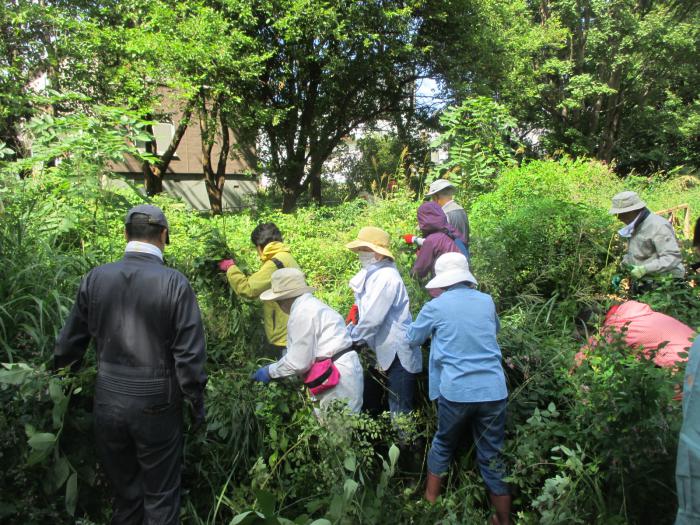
[579, 442]
[547, 104]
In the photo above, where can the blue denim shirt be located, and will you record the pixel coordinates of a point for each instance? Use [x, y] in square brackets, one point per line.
[384, 315]
[465, 359]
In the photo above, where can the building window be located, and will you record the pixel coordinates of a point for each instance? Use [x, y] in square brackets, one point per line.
[163, 133]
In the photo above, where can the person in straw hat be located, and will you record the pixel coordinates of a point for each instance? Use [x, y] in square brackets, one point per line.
[652, 248]
[314, 332]
[465, 377]
[380, 318]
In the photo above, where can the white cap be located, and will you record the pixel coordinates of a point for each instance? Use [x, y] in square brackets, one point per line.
[438, 185]
[451, 268]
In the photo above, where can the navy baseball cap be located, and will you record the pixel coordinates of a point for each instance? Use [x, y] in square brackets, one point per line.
[148, 214]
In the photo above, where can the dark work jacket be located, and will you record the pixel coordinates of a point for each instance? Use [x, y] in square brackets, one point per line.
[146, 324]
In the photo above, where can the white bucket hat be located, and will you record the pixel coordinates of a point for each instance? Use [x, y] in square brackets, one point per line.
[286, 283]
[451, 268]
[438, 185]
[626, 201]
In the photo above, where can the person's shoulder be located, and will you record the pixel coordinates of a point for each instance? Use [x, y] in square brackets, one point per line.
[387, 273]
[172, 273]
[474, 294]
[453, 206]
[657, 221]
[286, 258]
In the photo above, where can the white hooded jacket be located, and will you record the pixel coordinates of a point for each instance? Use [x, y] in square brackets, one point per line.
[315, 332]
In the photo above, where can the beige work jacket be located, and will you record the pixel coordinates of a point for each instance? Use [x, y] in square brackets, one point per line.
[654, 245]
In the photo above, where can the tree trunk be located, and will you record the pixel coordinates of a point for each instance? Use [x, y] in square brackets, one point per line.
[289, 200]
[214, 180]
[315, 183]
[153, 174]
[215, 194]
[612, 120]
[153, 179]
[292, 187]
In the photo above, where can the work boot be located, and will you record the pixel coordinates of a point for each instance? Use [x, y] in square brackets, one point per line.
[432, 487]
[502, 506]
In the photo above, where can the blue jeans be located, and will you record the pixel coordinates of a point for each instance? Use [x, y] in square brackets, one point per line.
[402, 388]
[487, 420]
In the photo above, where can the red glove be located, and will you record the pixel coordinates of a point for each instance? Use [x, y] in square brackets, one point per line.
[353, 314]
[226, 264]
[408, 238]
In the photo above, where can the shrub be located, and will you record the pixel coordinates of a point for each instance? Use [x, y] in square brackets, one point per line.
[544, 230]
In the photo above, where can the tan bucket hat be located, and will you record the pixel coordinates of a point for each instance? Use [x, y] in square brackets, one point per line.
[286, 283]
[451, 268]
[373, 238]
[626, 201]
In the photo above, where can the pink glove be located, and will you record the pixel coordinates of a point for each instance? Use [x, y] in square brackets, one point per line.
[226, 264]
[408, 238]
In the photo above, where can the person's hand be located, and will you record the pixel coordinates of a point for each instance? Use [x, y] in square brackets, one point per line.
[199, 414]
[226, 264]
[353, 315]
[638, 271]
[262, 374]
[408, 238]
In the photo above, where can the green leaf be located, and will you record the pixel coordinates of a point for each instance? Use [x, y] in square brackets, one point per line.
[72, 494]
[393, 455]
[349, 488]
[57, 476]
[350, 463]
[42, 441]
[15, 374]
[266, 502]
[245, 518]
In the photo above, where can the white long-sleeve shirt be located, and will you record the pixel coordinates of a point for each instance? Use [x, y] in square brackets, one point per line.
[384, 315]
[315, 332]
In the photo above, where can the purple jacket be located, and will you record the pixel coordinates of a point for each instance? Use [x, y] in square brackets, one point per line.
[433, 223]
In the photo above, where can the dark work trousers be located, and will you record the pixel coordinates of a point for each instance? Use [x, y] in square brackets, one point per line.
[271, 351]
[396, 385]
[139, 443]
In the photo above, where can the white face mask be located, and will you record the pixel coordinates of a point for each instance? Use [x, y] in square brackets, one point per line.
[366, 258]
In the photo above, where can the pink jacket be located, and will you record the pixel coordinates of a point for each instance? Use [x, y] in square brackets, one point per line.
[646, 330]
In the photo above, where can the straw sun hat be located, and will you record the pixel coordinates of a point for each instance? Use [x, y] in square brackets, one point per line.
[373, 238]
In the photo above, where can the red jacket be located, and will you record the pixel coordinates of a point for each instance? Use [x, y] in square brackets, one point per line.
[647, 330]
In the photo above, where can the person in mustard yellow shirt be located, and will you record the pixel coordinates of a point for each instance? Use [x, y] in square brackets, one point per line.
[274, 255]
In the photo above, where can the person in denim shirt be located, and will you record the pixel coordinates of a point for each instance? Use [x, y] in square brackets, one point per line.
[465, 377]
[381, 317]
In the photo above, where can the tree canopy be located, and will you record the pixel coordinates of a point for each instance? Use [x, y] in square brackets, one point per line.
[287, 80]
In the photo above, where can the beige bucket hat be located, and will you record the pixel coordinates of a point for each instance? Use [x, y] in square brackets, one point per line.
[451, 268]
[626, 201]
[373, 238]
[438, 185]
[286, 283]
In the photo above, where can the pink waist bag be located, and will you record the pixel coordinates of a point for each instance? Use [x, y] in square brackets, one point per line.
[324, 375]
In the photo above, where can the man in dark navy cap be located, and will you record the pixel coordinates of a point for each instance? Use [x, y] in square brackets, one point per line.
[150, 349]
